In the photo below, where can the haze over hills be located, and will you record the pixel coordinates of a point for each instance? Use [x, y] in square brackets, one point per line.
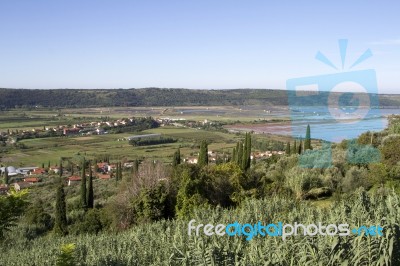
[11, 98]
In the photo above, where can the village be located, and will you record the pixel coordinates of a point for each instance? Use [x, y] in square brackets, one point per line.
[27, 176]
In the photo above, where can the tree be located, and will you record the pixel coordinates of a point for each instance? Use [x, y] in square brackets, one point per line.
[203, 155]
[96, 167]
[191, 194]
[294, 151]
[12, 206]
[389, 149]
[90, 196]
[300, 148]
[120, 171]
[135, 168]
[6, 175]
[307, 141]
[83, 185]
[60, 225]
[287, 152]
[239, 154]
[177, 158]
[246, 153]
[61, 169]
[67, 255]
[378, 173]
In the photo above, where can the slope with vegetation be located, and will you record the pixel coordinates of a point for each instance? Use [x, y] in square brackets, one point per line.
[140, 216]
[61, 98]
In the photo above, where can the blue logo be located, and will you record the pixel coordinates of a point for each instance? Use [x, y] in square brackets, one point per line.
[344, 98]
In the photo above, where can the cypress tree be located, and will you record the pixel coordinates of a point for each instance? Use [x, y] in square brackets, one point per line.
[60, 172]
[203, 155]
[83, 185]
[90, 196]
[299, 149]
[240, 154]
[248, 150]
[233, 159]
[294, 151]
[117, 172]
[60, 223]
[287, 148]
[307, 141]
[237, 153]
[43, 165]
[177, 158]
[6, 175]
[96, 167]
[120, 171]
[136, 167]
[48, 165]
[245, 163]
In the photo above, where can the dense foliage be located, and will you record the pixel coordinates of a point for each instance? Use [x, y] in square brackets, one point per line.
[167, 242]
[10, 98]
[151, 141]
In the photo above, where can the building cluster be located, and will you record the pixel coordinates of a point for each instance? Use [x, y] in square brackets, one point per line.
[24, 177]
[88, 128]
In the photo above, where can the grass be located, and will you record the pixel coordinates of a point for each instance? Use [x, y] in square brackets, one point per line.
[42, 150]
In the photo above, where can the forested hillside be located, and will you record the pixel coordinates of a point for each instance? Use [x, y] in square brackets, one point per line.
[10, 98]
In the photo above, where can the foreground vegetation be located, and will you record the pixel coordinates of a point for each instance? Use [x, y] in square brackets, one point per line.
[167, 243]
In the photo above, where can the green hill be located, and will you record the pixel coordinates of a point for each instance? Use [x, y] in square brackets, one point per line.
[10, 98]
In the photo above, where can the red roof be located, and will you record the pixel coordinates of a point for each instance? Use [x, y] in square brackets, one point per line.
[104, 176]
[101, 165]
[32, 179]
[38, 171]
[74, 178]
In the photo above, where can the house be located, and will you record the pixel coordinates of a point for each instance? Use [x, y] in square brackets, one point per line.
[21, 185]
[55, 169]
[191, 160]
[31, 180]
[38, 171]
[11, 170]
[26, 170]
[104, 176]
[103, 167]
[3, 189]
[74, 180]
[71, 131]
[128, 165]
[111, 167]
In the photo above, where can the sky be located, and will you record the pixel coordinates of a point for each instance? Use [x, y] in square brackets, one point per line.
[208, 44]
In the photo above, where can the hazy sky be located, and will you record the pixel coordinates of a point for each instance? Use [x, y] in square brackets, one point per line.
[191, 44]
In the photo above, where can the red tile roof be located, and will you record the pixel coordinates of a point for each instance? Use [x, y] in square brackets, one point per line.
[32, 179]
[103, 176]
[74, 178]
[39, 171]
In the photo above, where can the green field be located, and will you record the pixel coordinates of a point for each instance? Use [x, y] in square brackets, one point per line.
[41, 150]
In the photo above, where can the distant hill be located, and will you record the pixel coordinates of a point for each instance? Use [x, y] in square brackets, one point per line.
[10, 98]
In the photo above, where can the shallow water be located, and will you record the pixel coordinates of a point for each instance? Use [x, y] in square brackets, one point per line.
[337, 124]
